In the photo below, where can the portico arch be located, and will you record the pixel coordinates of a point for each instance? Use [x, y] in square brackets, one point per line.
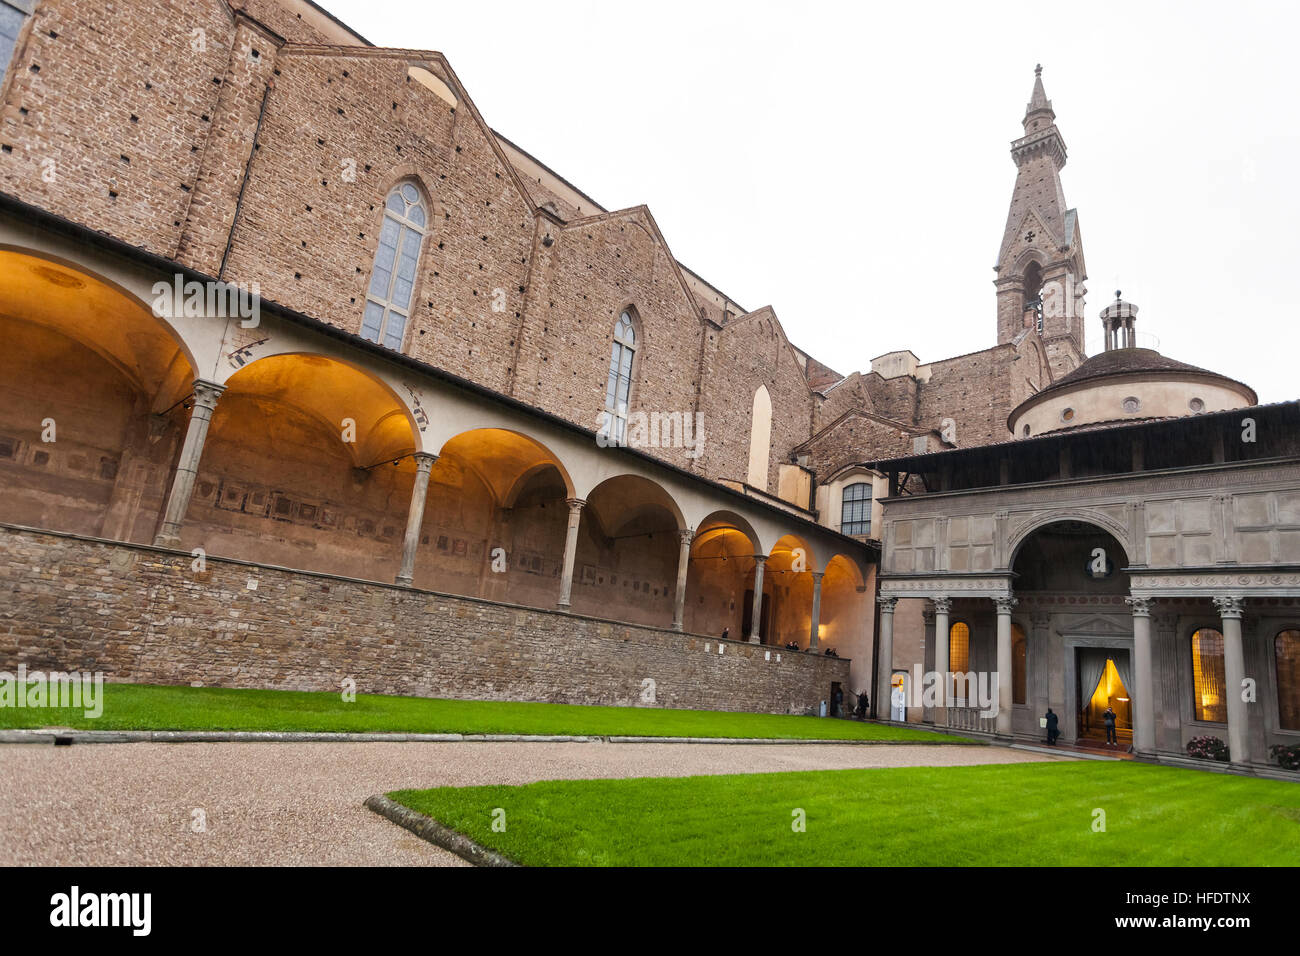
[90, 381]
[720, 575]
[1104, 522]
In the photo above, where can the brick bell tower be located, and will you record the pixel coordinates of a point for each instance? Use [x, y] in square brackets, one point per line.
[1040, 268]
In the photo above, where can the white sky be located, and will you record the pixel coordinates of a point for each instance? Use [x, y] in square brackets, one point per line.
[848, 163]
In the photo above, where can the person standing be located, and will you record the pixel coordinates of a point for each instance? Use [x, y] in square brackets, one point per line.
[1109, 718]
[1053, 727]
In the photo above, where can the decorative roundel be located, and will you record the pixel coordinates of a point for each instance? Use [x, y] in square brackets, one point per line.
[1196, 405]
[1026, 431]
[1067, 415]
[1132, 404]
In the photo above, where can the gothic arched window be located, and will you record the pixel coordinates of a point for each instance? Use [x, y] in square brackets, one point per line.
[392, 281]
[1208, 699]
[618, 390]
[855, 509]
[1034, 294]
[12, 16]
[1287, 650]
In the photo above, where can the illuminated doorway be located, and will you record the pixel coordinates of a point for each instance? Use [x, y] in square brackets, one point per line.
[1109, 691]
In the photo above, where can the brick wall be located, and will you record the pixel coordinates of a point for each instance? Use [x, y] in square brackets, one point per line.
[140, 614]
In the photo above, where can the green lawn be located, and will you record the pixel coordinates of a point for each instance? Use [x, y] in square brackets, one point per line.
[149, 707]
[1037, 814]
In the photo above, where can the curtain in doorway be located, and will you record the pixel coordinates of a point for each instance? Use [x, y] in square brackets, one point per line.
[1092, 665]
[1121, 659]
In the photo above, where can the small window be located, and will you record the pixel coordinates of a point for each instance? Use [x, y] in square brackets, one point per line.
[1067, 415]
[1208, 697]
[1197, 405]
[1132, 405]
[12, 17]
[392, 280]
[855, 509]
[959, 661]
[1019, 671]
[618, 389]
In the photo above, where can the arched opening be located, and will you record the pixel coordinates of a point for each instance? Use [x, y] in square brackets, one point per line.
[306, 465]
[91, 386]
[720, 576]
[844, 612]
[788, 592]
[628, 548]
[760, 439]
[1033, 296]
[1083, 563]
[495, 518]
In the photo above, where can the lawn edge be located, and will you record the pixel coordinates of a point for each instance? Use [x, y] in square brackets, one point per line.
[69, 736]
[429, 829]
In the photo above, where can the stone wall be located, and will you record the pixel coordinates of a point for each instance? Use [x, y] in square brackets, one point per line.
[143, 615]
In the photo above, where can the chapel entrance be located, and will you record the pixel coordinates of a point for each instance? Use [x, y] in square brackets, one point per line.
[1104, 675]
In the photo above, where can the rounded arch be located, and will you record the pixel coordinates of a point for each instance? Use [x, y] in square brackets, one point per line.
[623, 498]
[504, 458]
[849, 562]
[132, 335]
[728, 521]
[1085, 515]
[332, 392]
[791, 551]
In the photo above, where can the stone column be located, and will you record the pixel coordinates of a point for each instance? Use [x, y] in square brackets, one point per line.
[415, 517]
[206, 395]
[942, 648]
[1144, 703]
[1234, 671]
[570, 550]
[756, 613]
[814, 631]
[683, 565]
[1005, 604]
[885, 657]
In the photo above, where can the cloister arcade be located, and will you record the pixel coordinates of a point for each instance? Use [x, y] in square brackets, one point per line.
[274, 443]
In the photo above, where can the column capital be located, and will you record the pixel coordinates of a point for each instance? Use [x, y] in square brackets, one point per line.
[207, 393]
[686, 535]
[942, 605]
[575, 504]
[1229, 607]
[1040, 619]
[1005, 604]
[927, 613]
[760, 559]
[423, 460]
[887, 604]
[817, 574]
[1141, 605]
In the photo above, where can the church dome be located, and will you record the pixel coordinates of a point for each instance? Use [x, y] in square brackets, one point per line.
[1126, 383]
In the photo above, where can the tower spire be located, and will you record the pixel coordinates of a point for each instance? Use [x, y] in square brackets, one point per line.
[1038, 101]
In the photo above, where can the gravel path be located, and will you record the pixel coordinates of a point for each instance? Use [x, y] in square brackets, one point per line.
[291, 804]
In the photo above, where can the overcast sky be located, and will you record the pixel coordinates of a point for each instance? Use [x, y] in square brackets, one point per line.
[848, 163]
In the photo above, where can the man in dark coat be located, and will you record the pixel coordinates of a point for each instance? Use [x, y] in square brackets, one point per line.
[1109, 718]
[1053, 727]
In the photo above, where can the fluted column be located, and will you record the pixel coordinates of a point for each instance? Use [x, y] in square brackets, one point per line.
[570, 550]
[206, 395]
[814, 631]
[415, 517]
[885, 657]
[942, 647]
[1005, 604]
[1234, 671]
[683, 565]
[756, 612]
[1144, 704]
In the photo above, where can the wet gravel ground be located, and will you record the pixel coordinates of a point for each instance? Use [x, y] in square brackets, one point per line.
[282, 804]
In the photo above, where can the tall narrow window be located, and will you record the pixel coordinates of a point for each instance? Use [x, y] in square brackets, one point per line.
[1019, 672]
[388, 300]
[760, 438]
[959, 661]
[855, 509]
[1207, 676]
[618, 390]
[12, 15]
[1287, 647]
